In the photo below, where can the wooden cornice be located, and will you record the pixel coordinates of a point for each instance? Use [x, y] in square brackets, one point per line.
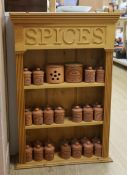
[79, 18]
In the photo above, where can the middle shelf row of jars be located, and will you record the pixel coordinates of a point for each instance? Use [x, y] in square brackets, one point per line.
[71, 73]
[48, 115]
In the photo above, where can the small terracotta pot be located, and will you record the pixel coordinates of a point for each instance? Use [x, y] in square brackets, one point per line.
[48, 116]
[29, 152]
[55, 74]
[90, 75]
[77, 150]
[27, 77]
[59, 115]
[73, 73]
[98, 149]
[88, 113]
[98, 113]
[88, 149]
[49, 152]
[100, 75]
[38, 77]
[28, 117]
[38, 153]
[65, 151]
[37, 116]
[77, 114]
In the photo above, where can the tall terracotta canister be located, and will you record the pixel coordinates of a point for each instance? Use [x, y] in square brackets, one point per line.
[90, 75]
[38, 77]
[98, 149]
[65, 151]
[55, 74]
[77, 114]
[76, 150]
[37, 116]
[29, 153]
[27, 77]
[100, 75]
[74, 73]
[49, 152]
[48, 116]
[98, 113]
[59, 115]
[88, 113]
[88, 149]
[38, 153]
[28, 117]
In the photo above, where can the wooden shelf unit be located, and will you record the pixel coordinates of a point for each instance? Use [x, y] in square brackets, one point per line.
[44, 38]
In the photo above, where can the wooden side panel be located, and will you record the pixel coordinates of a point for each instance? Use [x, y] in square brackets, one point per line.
[20, 105]
[107, 101]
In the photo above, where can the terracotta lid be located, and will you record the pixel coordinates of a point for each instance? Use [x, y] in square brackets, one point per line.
[98, 106]
[26, 70]
[38, 146]
[38, 71]
[27, 110]
[37, 109]
[87, 106]
[100, 68]
[73, 65]
[27, 146]
[89, 68]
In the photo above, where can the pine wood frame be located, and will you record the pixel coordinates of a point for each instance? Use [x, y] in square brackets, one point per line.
[104, 23]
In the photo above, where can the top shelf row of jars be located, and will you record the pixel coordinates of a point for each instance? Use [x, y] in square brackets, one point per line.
[70, 73]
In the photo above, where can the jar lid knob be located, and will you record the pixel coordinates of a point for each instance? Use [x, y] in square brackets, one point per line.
[25, 69]
[90, 68]
[38, 69]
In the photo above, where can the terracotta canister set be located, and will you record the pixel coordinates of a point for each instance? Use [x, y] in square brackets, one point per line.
[88, 113]
[75, 148]
[78, 147]
[71, 73]
[47, 116]
[39, 151]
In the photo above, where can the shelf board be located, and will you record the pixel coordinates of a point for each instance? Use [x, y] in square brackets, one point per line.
[67, 123]
[59, 161]
[63, 85]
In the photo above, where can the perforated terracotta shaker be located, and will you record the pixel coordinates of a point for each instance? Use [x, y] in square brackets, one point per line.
[38, 153]
[98, 149]
[76, 150]
[49, 152]
[27, 77]
[48, 116]
[29, 152]
[88, 149]
[38, 77]
[90, 75]
[55, 74]
[37, 116]
[59, 115]
[28, 117]
[73, 73]
[98, 113]
[65, 150]
[77, 114]
[100, 75]
[88, 113]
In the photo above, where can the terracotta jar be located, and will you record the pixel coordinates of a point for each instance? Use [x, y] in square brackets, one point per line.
[88, 113]
[59, 115]
[49, 152]
[48, 116]
[37, 116]
[90, 75]
[77, 114]
[98, 113]
[65, 151]
[84, 140]
[38, 153]
[27, 77]
[38, 77]
[55, 74]
[98, 149]
[76, 150]
[88, 149]
[73, 73]
[29, 152]
[100, 75]
[28, 117]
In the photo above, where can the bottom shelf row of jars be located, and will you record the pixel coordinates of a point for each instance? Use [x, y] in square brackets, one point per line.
[75, 148]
